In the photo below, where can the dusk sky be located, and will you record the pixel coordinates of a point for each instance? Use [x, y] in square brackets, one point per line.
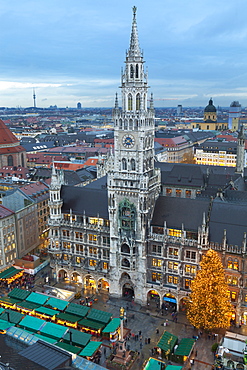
[72, 51]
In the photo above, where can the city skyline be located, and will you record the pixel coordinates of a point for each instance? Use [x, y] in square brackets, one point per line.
[71, 53]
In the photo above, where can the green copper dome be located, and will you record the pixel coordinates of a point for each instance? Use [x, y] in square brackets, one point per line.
[210, 107]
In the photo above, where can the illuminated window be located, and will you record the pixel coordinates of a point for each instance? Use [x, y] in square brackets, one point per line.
[188, 193]
[92, 263]
[93, 251]
[234, 281]
[172, 279]
[229, 264]
[65, 233]
[190, 269]
[168, 192]
[92, 238]
[156, 262]
[78, 235]
[174, 232]
[156, 276]
[173, 252]
[187, 283]
[96, 221]
[105, 265]
[78, 260]
[245, 298]
[235, 265]
[178, 193]
[233, 296]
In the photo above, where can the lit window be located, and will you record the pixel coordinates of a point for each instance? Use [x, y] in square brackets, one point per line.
[174, 232]
[229, 264]
[92, 238]
[105, 266]
[173, 251]
[235, 265]
[92, 263]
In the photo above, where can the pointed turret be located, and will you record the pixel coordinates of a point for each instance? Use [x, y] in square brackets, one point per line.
[134, 49]
[240, 152]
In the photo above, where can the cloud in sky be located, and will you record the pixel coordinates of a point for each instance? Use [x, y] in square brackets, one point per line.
[72, 51]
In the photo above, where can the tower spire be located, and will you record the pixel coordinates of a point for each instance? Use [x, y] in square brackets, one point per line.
[134, 49]
[34, 99]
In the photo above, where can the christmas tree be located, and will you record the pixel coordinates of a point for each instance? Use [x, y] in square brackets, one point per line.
[209, 307]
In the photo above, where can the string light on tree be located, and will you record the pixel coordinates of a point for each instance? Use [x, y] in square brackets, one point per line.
[209, 307]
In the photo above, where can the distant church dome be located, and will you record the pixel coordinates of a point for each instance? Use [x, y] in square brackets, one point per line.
[210, 107]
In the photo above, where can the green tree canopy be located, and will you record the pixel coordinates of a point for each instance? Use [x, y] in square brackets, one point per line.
[209, 307]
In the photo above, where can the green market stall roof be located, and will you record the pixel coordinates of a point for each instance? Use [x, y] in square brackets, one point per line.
[4, 325]
[9, 273]
[154, 364]
[12, 316]
[9, 300]
[69, 347]
[2, 309]
[46, 339]
[57, 303]
[90, 348]
[174, 367]
[27, 305]
[100, 316]
[18, 293]
[90, 324]
[167, 342]
[112, 326]
[53, 330]
[31, 323]
[63, 316]
[46, 311]
[37, 298]
[77, 337]
[77, 309]
[185, 347]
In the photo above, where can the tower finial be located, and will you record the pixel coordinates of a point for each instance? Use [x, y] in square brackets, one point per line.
[116, 102]
[134, 49]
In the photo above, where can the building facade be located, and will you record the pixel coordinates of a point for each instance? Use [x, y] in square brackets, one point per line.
[140, 231]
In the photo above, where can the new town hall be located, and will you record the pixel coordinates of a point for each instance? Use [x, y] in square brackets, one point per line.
[141, 229]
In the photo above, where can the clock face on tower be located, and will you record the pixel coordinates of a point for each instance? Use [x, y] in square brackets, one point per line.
[128, 141]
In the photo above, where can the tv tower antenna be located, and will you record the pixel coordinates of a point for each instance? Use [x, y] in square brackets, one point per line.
[34, 99]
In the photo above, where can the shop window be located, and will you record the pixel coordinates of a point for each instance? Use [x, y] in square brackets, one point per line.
[188, 193]
[178, 193]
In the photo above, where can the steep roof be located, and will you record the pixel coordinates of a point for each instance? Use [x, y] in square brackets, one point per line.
[178, 211]
[6, 136]
[79, 199]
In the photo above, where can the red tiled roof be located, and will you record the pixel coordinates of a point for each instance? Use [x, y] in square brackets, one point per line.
[34, 187]
[5, 212]
[6, 136]
[11, 149]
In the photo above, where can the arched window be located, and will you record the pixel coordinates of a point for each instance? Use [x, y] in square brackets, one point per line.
[127, 215]
[130, 102]
[131, 124]
[120, 123]
[133, 164]
[124, 164]
[144, 101]
[125, 248]
[138, 102]
[125, 124]
[10, 160]
[125, 263]
[131, 71]
[137, 71]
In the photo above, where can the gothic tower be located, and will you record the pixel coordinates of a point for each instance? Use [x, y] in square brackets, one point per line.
[240, 152]
[133, 182]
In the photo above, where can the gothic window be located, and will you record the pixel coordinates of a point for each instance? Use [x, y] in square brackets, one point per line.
[137, 71]
[138, 102]
[125, 248]
[120, 124]
[130, 102]
[136, 124]
[127, 215]
[124, 164]
[125, 124]
[10, 160]
[125, 263]
[131, 124]
[133, 164]
[131, 71]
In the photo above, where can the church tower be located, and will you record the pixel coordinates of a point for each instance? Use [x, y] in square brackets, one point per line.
[133, 181]
[240, 152]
